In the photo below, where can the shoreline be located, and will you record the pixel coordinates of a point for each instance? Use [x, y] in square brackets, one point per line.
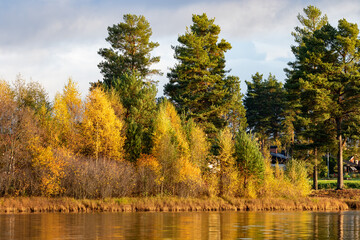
[173, 204]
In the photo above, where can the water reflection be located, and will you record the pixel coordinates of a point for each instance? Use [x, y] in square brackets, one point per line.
[186, 225]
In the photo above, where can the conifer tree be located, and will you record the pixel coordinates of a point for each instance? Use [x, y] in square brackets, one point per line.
[249, 159]
[312, 21]
[127, 70]
[130, 50]
[330, 83]
[138, 100]
[310, 128]
[264, 104]
[198, 83]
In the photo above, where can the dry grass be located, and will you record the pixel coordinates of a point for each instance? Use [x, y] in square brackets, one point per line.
[41, 204]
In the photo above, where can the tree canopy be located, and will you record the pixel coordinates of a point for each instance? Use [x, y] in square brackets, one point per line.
[198, 84]
[130, 49]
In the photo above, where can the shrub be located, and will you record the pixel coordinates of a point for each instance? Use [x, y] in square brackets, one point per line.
[87, 178]
[297, 175]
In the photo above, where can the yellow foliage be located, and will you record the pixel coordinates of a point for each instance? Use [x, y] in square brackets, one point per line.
[199, 146]
[49, 168]
[101, 127]
[147, 161]
[5, 91]
[228, 178]
[68, 110]
[171, 148]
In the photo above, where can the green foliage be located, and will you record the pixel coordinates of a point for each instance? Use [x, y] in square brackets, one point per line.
[249, 159]
[198, 83]
[264, 104]
[331, 89]
[138, 99]
[30, 94]
[324, 81]
[294, 122]
[311, 22]
[130, 49]
[126, 69]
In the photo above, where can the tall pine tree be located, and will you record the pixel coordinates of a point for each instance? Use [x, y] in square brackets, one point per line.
[330, 82]
[130, 49]
[127, 70]
[198, 83]
[311, 130]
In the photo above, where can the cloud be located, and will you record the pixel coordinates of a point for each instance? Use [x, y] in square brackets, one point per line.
[50, 41]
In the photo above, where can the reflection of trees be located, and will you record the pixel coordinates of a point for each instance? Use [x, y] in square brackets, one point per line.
[183, 225]
[340, 226]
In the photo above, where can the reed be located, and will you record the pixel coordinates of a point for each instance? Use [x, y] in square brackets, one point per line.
[173, 204]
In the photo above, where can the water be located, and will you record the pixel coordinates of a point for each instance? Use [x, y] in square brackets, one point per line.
[183, 225]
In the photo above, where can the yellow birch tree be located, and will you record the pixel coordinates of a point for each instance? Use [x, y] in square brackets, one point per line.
[102, 128]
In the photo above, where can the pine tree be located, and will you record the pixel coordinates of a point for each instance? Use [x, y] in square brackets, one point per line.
[264, 104]
[312, 21]
[126, 70]
[198, 83]
[330, 83]
[249, 159]
[130, 50]
[138, 99]
[310, 128]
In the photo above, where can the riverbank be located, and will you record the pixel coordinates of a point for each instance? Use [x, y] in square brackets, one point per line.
[316, 202]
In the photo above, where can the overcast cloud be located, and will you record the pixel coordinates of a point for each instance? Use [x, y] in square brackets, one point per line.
[50, 41]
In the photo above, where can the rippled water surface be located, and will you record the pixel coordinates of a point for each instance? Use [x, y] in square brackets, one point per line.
[183, 225]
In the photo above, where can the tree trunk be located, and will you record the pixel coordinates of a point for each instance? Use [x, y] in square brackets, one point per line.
[340, 181]
[315, 176]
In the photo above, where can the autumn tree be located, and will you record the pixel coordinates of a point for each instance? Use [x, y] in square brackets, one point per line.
[101, 128]
[48, 168]
[18, 126]
[171, 149]
[227, 165]
[198, 145]
[130, 50]
[67, 116]
[30, 94]
[198, 85]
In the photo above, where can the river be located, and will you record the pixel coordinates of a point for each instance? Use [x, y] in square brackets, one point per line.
[182, 225]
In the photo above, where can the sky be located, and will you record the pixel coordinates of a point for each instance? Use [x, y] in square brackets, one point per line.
[49, 41]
